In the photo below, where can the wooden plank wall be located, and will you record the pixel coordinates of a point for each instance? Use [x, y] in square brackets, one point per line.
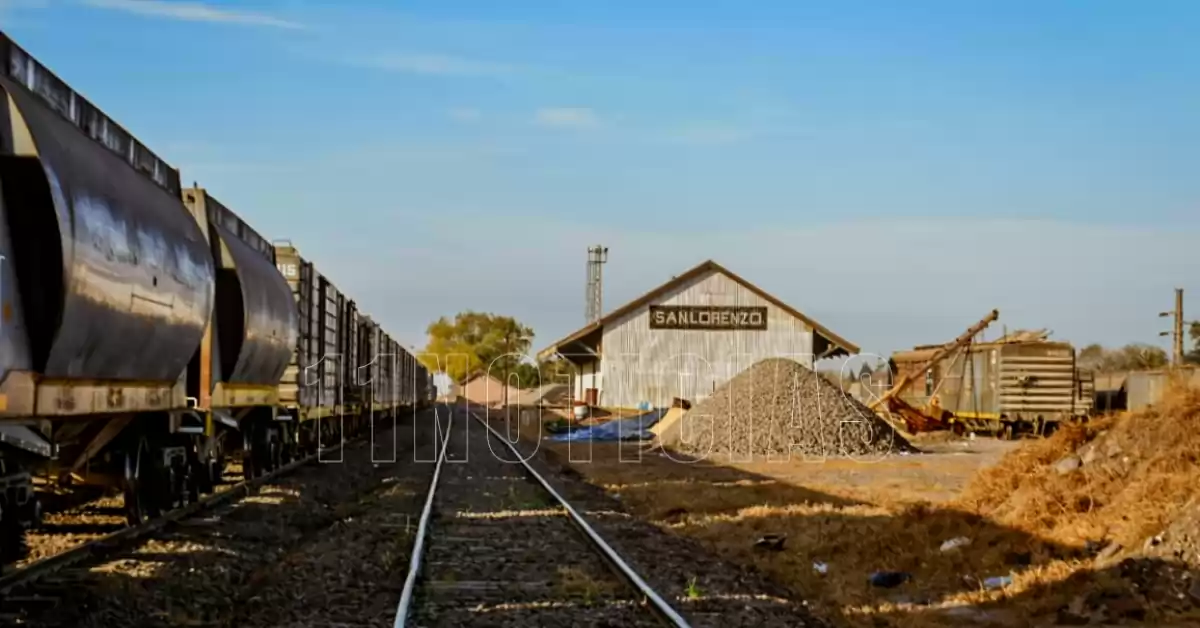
[654, 365]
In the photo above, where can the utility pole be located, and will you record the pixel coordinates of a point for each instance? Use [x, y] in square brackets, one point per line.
[1177, 330]
[597, 257]
[507, 350]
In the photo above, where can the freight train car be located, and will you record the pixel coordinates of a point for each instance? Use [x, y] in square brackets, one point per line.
[313, 388]
[146, 330]
[1002, 387]
[108, 286]
[234, 376]
[326, 382]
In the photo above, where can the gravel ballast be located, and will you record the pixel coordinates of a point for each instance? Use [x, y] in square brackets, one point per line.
[708, 591]
[325, 545]
[778, 407]
[502, 552]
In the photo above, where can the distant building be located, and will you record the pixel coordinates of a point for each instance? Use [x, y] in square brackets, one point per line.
[687, 337]
[482, 389]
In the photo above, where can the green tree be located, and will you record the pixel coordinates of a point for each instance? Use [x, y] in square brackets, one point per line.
[476, 340]
[556, 370]
[527, 376]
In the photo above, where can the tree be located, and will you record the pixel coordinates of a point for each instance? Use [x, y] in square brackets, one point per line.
[1131, 357]
[474, 341]
[527, 376]
[1092, 356]
[1193, 356]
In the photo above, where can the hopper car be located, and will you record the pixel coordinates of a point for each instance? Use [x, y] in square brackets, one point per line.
[148, 333]
[1004, 388]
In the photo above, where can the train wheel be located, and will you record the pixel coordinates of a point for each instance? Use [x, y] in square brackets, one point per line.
[170, 489]
[216, 470]
[140, 504]
[250, 453]
[202, 472]
[288, 437]
[191, 480]
[12, 535]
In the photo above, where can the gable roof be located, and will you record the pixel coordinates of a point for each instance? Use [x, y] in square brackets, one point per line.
[694, 273]
[476, 374]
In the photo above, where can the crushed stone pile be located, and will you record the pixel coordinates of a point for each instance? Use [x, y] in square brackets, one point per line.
[778, 407]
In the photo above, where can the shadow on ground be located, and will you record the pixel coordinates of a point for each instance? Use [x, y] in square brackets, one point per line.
[834, 545]
[217, 568]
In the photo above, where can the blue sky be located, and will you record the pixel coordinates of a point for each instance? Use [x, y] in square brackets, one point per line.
[894, 169]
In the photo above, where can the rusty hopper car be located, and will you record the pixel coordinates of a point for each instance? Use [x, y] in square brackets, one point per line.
[247, 346]
[1003, 387]
[106, 287]
[145, 330]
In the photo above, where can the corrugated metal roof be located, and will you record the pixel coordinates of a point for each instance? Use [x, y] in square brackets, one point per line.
[1110, 382]
[550, 394]
[697, 271]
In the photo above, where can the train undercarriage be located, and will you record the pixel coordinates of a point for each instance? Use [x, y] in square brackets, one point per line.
[157, 462]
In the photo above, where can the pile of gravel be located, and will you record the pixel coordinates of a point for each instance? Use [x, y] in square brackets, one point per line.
[778, 407]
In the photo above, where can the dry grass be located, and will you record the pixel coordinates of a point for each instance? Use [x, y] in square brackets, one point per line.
[1023, 519]
[1124, 497]
[574, 582]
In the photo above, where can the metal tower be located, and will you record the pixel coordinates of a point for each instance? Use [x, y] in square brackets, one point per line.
[597, 256]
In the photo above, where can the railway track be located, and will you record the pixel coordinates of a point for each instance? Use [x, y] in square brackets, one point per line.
[46, 581]
[497, 545]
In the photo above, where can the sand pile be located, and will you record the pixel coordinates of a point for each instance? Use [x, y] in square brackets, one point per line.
[779, 407]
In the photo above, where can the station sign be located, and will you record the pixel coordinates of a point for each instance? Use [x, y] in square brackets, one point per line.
[708, 317]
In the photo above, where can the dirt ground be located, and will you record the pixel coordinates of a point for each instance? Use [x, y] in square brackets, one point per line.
[937, 475]
[842, 520]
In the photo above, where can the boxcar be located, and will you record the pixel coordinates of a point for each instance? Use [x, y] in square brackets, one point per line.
[1002, 387]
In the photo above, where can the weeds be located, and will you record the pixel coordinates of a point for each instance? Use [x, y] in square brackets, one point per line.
[573, 581]
[693, 591]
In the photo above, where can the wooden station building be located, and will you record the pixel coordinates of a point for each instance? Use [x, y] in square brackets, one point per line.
[687, 337]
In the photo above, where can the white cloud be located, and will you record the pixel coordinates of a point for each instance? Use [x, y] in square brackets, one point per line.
[566, 117]
[465, 114]
[435, 65]
[192, 12]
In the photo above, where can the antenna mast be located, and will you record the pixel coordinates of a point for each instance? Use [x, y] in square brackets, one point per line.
[597, 257]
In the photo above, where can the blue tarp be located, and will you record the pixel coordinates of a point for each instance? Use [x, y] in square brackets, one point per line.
[633, 428]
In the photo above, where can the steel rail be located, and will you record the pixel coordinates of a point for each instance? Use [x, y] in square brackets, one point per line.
[46, 566]
[664, 610]
[418, 549]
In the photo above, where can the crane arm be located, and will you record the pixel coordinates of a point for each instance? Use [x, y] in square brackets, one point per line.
[940, 353]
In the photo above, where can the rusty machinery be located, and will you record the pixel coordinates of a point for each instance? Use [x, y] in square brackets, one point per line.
[931, 418]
